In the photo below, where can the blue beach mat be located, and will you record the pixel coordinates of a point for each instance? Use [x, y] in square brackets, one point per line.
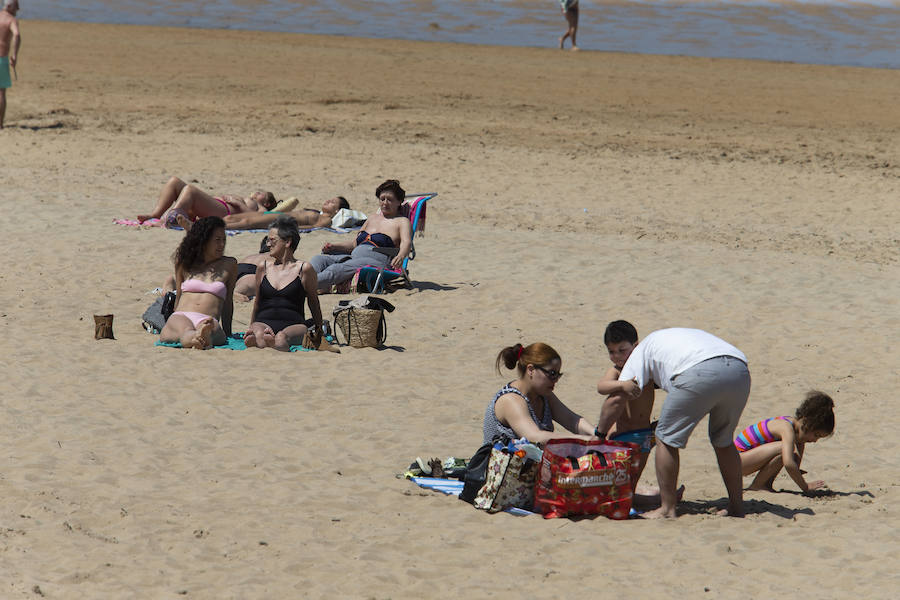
[233, 342]
[453, 487]
[302, 230]
[150, 223]
[154, 223]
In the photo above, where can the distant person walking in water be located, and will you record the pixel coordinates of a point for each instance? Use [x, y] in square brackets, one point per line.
[570, 10]
[9, 39]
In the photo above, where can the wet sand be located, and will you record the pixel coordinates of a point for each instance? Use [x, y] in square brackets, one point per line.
[829, 32]
[755, 200]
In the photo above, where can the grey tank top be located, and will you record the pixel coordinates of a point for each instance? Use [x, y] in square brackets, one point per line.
[493, 427]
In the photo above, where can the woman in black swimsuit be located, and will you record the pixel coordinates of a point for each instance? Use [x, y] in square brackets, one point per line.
[278, 320]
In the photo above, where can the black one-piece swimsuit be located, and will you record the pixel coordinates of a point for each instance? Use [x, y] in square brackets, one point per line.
[281, 308]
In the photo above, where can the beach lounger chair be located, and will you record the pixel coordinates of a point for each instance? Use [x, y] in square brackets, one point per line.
[376, 279]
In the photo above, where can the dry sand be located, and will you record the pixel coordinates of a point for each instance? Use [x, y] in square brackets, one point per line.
[755, 200]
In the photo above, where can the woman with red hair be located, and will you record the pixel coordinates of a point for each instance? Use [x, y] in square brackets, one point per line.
[527, 407]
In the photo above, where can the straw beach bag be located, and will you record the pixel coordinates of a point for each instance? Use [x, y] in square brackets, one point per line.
[362, 327]
[362, 322]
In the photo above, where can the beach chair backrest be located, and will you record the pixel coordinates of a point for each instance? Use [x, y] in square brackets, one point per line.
[416, 211]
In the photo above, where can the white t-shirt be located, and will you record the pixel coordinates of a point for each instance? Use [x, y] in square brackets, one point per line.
[667, 352]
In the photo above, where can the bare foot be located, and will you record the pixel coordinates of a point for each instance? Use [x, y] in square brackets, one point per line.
[576, 49]
[727, 512]
[767, 487]
[250, 339]
[561, 41]
[659, 513]
[647, 490]
[183, 222]
[648, 495]
[202, 335]
[142, 218]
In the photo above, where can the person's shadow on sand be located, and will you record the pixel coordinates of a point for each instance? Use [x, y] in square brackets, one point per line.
[755, 507]
[825, 493]
[422, 286]
[751, 507]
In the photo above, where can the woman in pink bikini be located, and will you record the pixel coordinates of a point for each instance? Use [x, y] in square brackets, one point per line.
[204, 285]
[182, 201]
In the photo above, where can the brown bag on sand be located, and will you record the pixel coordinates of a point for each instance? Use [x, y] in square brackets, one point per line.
[324, 344]
[103, 327]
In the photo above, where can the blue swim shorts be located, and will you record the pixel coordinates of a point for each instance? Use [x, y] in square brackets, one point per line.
[645, 438]
[5, 81]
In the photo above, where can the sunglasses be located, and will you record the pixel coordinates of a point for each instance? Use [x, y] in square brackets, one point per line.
[552, 374]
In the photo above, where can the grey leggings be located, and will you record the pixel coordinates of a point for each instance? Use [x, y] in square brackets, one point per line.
[333, 269]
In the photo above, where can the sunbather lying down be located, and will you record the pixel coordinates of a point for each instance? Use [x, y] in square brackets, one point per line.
[181, 203]
[305, 217]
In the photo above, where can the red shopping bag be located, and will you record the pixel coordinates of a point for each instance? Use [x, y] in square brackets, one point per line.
[586, 478]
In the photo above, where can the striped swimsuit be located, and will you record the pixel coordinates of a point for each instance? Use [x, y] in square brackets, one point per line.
[757, 435]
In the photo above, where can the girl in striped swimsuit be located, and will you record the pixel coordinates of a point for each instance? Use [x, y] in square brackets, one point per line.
[778, 442]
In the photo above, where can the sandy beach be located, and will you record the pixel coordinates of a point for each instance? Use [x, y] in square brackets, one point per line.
[755, 200]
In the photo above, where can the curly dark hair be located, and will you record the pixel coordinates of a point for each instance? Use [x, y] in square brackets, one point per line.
[393, 186]
[189, 253]
[817, 412]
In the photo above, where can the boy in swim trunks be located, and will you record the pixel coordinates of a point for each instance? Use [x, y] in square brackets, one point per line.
[633, 424]
[9, 40]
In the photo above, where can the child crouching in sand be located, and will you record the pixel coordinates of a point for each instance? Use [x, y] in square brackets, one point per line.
[770, 444]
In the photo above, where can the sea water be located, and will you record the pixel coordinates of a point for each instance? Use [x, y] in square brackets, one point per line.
[834, 32]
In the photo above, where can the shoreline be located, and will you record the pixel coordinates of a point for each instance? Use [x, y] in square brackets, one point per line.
[827, 33]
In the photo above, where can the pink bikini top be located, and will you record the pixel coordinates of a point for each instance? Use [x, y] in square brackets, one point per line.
[216, 288]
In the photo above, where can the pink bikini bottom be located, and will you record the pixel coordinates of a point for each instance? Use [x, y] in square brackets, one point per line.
[195, 317]
[225, 204]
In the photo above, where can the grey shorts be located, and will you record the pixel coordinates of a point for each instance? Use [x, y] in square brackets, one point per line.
[717, 387]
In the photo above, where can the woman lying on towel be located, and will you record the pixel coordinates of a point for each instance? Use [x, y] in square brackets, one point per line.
[181, 203]
[305, 217]
[527, 406]
[204, 284]
[284, 284]
[385, 229]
